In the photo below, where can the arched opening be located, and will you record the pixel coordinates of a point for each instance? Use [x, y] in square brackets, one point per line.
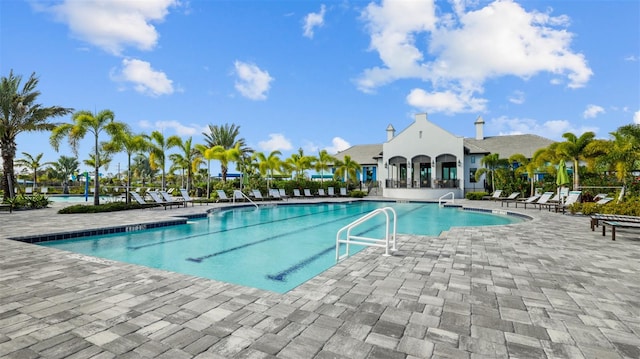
[447, 171]
[397, 172]
[422, 171]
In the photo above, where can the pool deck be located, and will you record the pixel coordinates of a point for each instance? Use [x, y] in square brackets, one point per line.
[545, 288]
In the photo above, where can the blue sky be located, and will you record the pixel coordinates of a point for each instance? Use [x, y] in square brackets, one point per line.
[328, 75]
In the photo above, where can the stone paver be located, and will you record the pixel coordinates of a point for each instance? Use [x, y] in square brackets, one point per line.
[545, 288]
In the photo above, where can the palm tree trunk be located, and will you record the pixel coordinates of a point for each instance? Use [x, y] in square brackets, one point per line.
[576, 175]
[96, 189]
[128, 200]
[9, 180]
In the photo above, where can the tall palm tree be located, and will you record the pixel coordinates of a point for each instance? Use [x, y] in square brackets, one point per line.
[347, 168]
[201, 150]
[158, 147]
[323, 163]
[622, 154]
[33, 163]
[268, 164]
[574, 149]
[525, 166]
[65, 168]
[299, 163]
[131, 144]
[224, 156]
[19, 112]
[142, 168]
[227, 137]
[188, 158]
[86, 122]
[491, 162]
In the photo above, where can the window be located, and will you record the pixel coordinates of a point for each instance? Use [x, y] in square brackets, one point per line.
[473, 159]
[472, 175]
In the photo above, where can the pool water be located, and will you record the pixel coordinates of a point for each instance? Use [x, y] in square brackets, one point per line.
[275, 248]
[75, 198]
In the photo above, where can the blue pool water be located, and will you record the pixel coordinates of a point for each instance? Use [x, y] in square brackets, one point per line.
[75, 198]
[275, 248]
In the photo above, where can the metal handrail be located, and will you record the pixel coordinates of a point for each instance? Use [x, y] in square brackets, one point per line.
[453, 198]
[243, 195]
[368, 241]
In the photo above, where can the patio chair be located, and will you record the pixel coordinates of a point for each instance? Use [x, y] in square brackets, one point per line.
[496, 195]
[511, 198]
[331, 192]
[274, 194]
[257, 194]
[526, 201]
[604, 200]
[573, 197]
[283, 193]
[238, 195]
[222, 196]
[28, 191]
[307, 193]
[543, 201]
[141, 200]
[296, 193]
[601, 217]
[186, 198]
[154, 195]
[343, 192]
[44, 190]
[321, 192]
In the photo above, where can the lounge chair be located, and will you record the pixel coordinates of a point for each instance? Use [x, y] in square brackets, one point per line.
[604, 200]
[526, 201]
[600, 217]
[274, 193]
[511, 198]
[141, 200]
[573, 197]
[222, 196]
[296, 193]
[44, 190]
[283, 193]
[331, 192]
[257, 194]
[496, 195]
[543, 201]
[28, 191]
[616, 224]
[238, 195]
[307, 193]
[162, 202]
[343, 192]
[321, 192]
[186, 198]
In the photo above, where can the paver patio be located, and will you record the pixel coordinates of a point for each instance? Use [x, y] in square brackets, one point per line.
[545, 288]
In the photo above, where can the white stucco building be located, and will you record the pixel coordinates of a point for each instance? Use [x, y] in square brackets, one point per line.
[424, 161]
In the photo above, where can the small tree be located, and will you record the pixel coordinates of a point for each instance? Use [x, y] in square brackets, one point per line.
[33, 163]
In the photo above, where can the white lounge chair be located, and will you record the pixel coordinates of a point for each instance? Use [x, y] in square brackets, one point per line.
[343, 191]
[331, 192]
[238, 195]
[496, 195]
[543, 201]
[44, 190]
[283, 193]
[511, 198]
[526, 201]
[154, 195]
[274, 193]
[222, 196]
[307, 193]
[257, 194]
[573, 197]
[321, 192]
[140, 200]
[296, 193]
[186, 198]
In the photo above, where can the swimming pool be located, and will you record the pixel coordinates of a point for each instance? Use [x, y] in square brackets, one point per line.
[275, 248]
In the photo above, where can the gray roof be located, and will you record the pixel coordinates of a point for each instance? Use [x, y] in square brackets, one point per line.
[508, 145]
[362, 154]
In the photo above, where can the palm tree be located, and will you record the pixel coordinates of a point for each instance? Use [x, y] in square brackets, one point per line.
[299, 163]
[227, 137]
[622, 154]
[491, 162]
[525, 166]
[83, 122]
[323, 163]
[19, 112]
[65, 168]
[268, 164]
[33, 163]
[201, 150]
[224, 156]
[347, 167]
[188, 159]
[574, 149]
[131, 144]
[142, 168]
[158, 147]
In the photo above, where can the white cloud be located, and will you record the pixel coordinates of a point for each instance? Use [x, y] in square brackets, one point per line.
[180, 129]
[592, 111]
[252, 82]
[337, 144]
[447, 101]
[552, 129]
[517, 97]
[636, 117]
[276, 142]
[114, 24]
[144, 78]
[469, 47]
[313, 20]
[632, 58]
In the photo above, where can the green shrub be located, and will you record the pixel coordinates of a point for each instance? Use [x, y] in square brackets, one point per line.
[474, 196]
[106, 207]
[29, 202]
[357, 194]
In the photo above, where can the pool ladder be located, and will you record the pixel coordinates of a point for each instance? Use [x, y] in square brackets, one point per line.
[388, 242]
[441, 199]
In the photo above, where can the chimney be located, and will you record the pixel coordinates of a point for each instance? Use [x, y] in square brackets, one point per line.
[479, 128]
[390, 132]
